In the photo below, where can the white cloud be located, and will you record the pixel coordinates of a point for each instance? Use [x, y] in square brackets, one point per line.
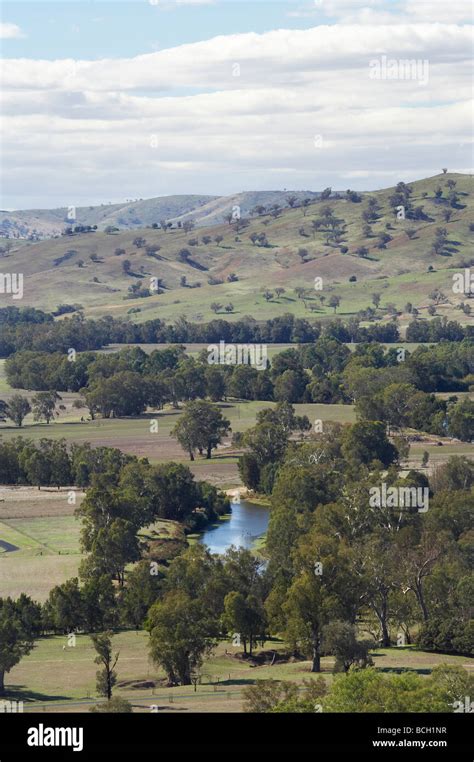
[10, 31]
[350, 11]
[83, 129]
[452, 12]
[283, 56]
[383, 12]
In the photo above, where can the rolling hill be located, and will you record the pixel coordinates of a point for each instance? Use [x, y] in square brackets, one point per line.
[203, 210]
[234, 269]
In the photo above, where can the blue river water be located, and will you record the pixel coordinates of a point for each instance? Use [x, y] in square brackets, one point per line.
[246, 523]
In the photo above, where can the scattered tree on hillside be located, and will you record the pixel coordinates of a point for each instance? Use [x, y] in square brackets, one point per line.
[188, 225]
[376, 297]
[184, 255]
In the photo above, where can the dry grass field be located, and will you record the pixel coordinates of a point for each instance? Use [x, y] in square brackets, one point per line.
[133, 435]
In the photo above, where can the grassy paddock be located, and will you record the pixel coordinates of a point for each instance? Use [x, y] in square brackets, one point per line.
[39, 679]
[133, 435]
[42, 526]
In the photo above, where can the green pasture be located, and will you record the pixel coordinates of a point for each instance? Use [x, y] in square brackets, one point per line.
[39, 681]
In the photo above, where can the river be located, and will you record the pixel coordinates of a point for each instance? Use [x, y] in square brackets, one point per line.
[241, 528]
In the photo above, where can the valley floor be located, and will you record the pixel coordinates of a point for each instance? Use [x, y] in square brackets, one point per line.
[59, 678]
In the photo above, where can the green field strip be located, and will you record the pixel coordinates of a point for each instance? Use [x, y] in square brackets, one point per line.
[59, 533]
[17, 537]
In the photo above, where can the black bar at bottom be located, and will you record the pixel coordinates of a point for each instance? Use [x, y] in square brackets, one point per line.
[29, 735]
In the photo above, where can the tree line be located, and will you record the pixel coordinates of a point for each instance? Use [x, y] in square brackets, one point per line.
[170, 487]
[54, 463]
[393, 386]
[29, 328]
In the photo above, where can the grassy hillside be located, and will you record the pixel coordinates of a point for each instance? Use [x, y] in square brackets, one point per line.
[131, 214]
[204, 210]
[400, 272]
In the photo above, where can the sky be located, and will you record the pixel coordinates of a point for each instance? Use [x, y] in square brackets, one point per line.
[104, 101]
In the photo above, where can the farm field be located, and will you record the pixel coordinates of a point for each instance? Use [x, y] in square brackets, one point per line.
[272, 349]
[41, 527]
[439, 454]
[39, 678]
[191, 349]
[132, 435]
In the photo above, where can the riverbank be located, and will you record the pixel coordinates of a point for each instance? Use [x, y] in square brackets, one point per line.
[245, 526]
[247, 494]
